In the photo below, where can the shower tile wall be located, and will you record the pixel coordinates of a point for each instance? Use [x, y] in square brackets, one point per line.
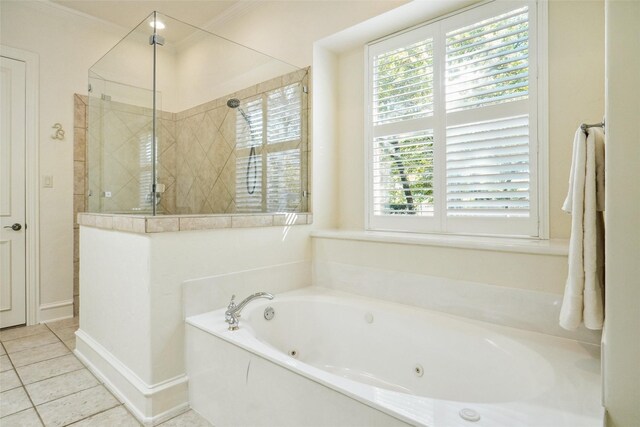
[79, 187]
[167, 172]
[205, 159]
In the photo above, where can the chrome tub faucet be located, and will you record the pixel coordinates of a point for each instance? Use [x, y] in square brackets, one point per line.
[231, 316]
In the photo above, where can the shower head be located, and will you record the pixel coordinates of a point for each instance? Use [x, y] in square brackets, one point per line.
[235, 103]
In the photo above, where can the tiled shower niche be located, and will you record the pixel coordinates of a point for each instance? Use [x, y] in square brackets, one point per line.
[205, 160]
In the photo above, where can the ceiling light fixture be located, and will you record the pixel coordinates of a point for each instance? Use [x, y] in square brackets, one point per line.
[158, 25]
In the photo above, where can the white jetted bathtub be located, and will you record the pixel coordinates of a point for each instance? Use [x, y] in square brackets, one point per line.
[328, 358]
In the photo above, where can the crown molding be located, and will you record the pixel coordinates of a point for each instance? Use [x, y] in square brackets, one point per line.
[239, 9]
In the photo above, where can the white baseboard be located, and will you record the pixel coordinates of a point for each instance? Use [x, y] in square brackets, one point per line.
[150, 404]
[55, 311]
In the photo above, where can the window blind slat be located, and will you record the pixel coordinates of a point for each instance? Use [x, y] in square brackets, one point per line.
[394, 72]
[482, 64]
[517, 73]
[485, 23]
[487, 44]
[249, 128]
[482, 170]
[284, 114]
[496, 59]
[403, 173]
[284, 190]
[248, 195]
[413, 81]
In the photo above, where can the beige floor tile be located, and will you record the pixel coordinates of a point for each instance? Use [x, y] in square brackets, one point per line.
[188, 419]
[5, 363]
[71, 344]
[60, 386]
[2, 350]
[117, 416]
[65, 334]
[66, 323]
[77, 406]
[21, 332]
[38, 354]
[49, 368]
[13, 401]
[29, 342]
[26, 418]
[9, 380]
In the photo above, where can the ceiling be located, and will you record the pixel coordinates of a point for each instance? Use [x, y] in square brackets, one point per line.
[129, 13]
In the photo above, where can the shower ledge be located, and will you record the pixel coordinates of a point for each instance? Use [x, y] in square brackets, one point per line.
[171, 223]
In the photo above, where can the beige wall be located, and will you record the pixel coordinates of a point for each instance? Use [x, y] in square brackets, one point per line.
[66, 46]
[576, 91]
[621, 350]
[299, 23]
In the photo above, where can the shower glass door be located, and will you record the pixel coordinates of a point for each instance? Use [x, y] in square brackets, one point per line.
[182, 121]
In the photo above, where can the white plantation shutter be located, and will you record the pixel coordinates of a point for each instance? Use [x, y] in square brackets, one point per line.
[403, 83]
[401, 181]
[283, 114]
[284, 190]
[270, 181]
[490, 115]
[487, 62]
[145, 161]
[403, 174]
[248, 183]
[248, 135]
[488, 168]
[453, 127]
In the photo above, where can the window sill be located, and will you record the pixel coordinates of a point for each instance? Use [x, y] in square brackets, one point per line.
[559, 247]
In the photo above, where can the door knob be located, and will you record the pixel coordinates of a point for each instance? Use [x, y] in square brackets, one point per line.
[14, 227]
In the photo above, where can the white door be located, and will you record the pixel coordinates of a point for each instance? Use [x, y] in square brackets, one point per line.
[12, 193]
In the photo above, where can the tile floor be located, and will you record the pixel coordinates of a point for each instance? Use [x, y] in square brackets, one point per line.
[43, 383]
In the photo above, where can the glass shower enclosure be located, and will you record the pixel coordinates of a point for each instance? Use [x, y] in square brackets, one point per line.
[182, 121]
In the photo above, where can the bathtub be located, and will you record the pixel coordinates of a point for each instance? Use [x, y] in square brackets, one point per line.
[327, 358]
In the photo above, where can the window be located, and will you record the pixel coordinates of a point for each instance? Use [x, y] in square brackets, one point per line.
[268, 152]
[452, 125]
[145, 187]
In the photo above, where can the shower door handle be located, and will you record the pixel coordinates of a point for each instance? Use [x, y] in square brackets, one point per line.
[14, 227]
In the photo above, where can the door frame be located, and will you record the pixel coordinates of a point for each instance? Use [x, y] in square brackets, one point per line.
[32, 196]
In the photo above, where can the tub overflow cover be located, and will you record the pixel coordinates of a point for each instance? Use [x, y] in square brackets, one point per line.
[269, 313]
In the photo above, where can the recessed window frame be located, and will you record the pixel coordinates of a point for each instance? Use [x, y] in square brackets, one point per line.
[536, 226]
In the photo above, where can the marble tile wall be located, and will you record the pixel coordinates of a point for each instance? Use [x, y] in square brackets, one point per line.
[206, 160]
[79, 186]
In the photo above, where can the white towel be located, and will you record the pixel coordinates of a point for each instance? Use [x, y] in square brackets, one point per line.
[583, 295]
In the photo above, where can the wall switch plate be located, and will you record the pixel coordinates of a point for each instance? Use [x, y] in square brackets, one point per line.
[47, 181]
[107, 194]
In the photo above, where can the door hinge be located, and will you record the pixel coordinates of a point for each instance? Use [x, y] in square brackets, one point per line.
[156, 39]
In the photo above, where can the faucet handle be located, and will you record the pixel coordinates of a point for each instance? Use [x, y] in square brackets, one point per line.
[232, 303]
